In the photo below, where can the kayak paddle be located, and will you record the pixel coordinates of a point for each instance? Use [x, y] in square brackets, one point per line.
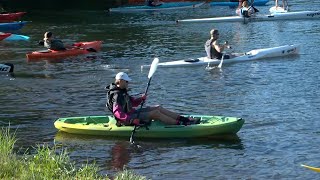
[220, 64]
[251, 6]
[205, 4]
[153, 68]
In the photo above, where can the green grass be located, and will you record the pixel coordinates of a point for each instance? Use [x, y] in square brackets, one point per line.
[45, 163]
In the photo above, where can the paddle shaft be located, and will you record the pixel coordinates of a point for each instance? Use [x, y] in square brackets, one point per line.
[142, 103]
[255, 9]
[220, 64]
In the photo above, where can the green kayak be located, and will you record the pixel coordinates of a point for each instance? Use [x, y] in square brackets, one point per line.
[106, 126]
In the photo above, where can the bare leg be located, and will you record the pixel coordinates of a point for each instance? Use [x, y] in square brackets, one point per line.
[166, 116]
[165, 112]
[155, 113]
[169, 113]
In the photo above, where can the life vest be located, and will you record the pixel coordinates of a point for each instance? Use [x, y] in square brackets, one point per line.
[244, 12]
[120, 96]
[54, 44]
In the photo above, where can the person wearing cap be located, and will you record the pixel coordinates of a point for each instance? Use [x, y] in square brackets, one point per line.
[51, 43]
[121, 104]
[213, 48]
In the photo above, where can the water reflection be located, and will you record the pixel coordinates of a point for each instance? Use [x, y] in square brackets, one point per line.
[120, 155]
[117, 153]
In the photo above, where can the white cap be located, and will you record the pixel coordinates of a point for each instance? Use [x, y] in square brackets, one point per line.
[123, 76]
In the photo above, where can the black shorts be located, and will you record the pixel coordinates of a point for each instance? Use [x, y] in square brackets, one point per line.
[226, 56]
[143, 114]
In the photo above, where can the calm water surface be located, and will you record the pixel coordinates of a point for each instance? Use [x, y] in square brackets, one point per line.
[278, 97]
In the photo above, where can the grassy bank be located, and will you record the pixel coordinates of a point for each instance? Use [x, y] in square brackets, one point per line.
[46, 164]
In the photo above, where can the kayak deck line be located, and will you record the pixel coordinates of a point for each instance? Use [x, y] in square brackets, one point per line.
[256, 54]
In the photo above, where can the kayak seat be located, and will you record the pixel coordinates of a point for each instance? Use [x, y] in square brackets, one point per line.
[90, 120]
[191, 60]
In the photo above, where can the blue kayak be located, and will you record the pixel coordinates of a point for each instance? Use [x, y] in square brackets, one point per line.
[164, 6]
[12, 26]
[236, 3]
[17, 37]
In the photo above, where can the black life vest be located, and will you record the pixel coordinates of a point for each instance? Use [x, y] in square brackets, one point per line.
[120, 96]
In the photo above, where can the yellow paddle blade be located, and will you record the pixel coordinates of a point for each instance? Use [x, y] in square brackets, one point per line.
[312, 168]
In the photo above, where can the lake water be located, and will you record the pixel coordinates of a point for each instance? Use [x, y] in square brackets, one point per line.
[278, 97]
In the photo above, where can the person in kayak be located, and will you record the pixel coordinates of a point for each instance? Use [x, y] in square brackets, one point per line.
[51, 43]
[153, 3]
[284, 4]
[245, 10]
[121, 104]
[214, 49]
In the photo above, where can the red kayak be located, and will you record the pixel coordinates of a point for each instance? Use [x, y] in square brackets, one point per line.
[77, 49]
[4, 35]
[9, 17]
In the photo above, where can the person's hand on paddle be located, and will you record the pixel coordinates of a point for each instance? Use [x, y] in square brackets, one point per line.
[226, 45]
[136, 121]
[144, 97]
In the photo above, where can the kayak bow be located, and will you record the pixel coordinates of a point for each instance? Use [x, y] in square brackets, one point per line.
[4, 35]
[9, 17]
[311, 168]
[17, 37]
[11, 26]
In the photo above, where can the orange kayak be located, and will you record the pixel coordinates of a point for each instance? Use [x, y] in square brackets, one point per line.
[77, 49]
[4, 35]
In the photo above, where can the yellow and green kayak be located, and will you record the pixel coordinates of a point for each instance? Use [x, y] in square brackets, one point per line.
[106, 126]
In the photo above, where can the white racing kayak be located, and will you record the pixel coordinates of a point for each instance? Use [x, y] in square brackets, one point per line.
[164, 6]
[248, 56]
[272, 17]
[6, 68]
